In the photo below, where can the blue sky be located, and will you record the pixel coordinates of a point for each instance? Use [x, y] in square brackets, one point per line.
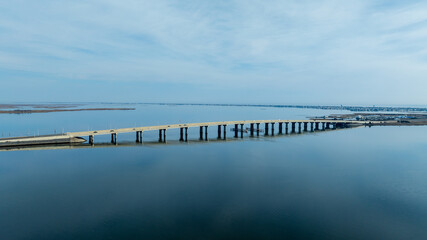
[242, 51]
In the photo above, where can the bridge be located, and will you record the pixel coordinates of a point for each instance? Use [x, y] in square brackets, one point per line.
[254, 128]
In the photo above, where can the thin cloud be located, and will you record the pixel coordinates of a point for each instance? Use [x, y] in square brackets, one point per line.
[369, 45]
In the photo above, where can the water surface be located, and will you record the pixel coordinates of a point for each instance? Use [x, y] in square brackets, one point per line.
[362, 183]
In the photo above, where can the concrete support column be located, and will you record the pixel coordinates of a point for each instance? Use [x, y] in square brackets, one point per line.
[241, 130]
[236, 126]
[140, 136]
[305, 127]
[225, 131]
[280, 128]
[327, 125]
[316, 128]
[266, 129]
[186, 134]
[286, 127]
[160, 135]
[312, 126]
[164, 135]
[257, 129]
[272, 129]
[219, 131]
[323, 126]
[206, 133]
[201, 132]
[293, 127]
[299, 127]
[181, 134]
[137, 136]
[114, 138]
[91, 139]
[252, 129]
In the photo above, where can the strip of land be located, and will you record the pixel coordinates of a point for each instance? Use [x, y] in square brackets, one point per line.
[39, 105]
[322, 107]
[29, 111]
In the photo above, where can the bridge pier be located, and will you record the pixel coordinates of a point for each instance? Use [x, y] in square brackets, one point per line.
[280, 128]
[266, 129]
[162, 135]
[186, 134]
[219, 131]
[286, 128]
[206, 133]
[91, 139]
[299, 127]
[181, 134]
[139, 136]
[257, 129]
[293, 127]
[241, 130]
[114, 138]
[252, 129]
[305, 127]
[236, 129]
[316, 126]
[201, 132]
[225, 131]
[272, 129]
[323, 126]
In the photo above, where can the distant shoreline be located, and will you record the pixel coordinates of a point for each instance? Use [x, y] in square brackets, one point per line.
[330, 107]
[382, 119]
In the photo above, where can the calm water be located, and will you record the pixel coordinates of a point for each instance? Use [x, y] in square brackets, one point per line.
[364, 183]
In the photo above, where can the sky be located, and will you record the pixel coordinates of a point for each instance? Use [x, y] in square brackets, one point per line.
[349, 52]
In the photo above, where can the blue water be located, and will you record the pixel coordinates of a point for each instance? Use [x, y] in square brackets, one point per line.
[361, 183]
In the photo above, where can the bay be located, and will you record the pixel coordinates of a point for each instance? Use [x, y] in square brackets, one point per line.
[360, 183]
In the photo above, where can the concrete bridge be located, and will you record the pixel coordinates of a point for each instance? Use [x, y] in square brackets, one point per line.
[284, 126]
[126, 143]
[254, 128]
